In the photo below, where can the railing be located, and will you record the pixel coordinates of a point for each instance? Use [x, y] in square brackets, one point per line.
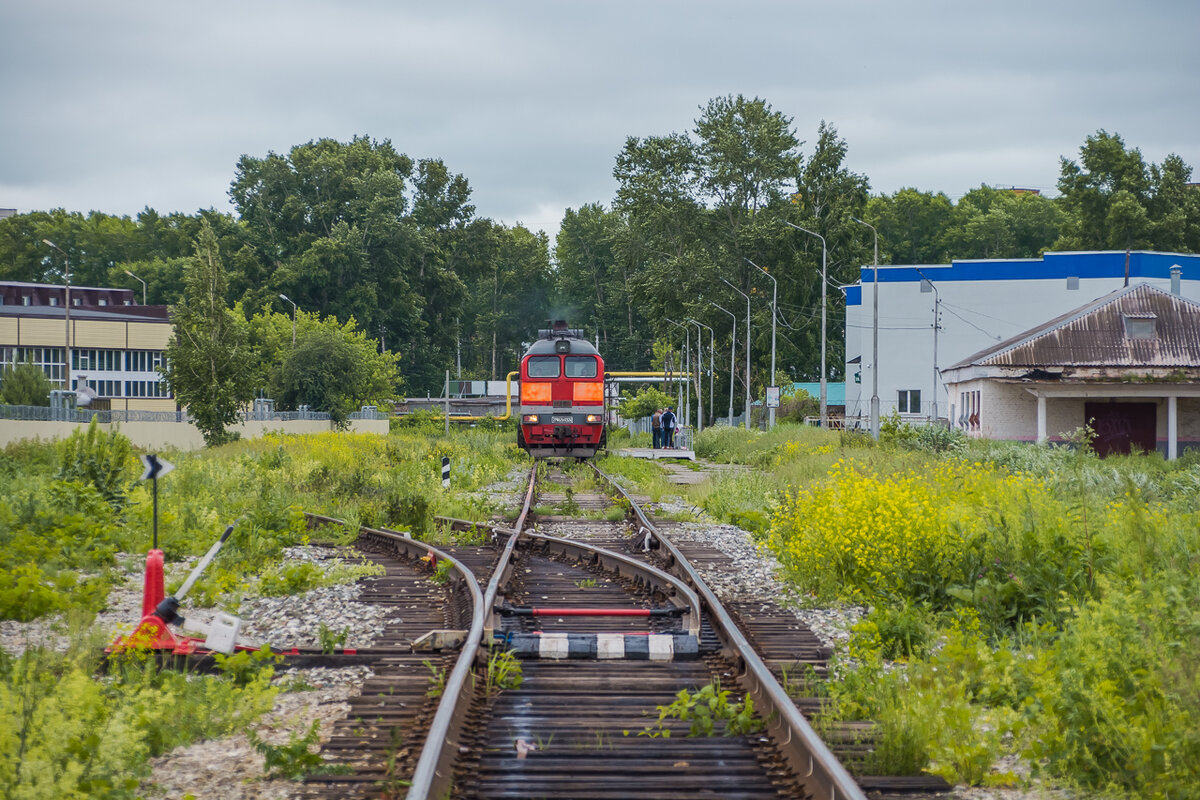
[103, 416]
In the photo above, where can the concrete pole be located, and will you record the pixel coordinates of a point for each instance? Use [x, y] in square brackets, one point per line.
[774, 313]
[824, 284]
[743, 294]
[874, 337]
[732, 352]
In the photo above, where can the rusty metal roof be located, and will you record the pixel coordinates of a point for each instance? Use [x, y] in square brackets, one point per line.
[1096, 335]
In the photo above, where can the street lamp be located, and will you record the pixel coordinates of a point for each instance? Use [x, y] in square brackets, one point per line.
[774, 313]
[712, 355]
[874, 337]
[142, 282]
[67, 314]
[732, 350]
[284, 297]
[687, 349]
[743, 294]
[936, 310]
[824, 406]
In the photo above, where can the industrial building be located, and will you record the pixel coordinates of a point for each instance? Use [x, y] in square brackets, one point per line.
[116, 345]
[936, 315]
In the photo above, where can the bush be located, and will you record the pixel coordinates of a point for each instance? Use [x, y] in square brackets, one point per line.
[105, 460]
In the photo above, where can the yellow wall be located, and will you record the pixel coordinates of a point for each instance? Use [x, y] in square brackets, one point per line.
[148, 335]
[94, 333]
[40, 333]
[8, 330]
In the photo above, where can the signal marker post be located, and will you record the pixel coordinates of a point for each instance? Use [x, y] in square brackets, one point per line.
[445, 472]
[155, 468]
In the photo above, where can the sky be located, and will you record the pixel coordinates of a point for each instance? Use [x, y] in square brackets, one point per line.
[120, 105]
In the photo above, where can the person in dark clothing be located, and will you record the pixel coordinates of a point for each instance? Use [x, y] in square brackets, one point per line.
[656, 430]
[668, 425]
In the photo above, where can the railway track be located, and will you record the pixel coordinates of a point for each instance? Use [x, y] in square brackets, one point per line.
[609, 623]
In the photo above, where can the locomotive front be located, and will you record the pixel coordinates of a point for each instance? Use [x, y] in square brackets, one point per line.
[562, 395]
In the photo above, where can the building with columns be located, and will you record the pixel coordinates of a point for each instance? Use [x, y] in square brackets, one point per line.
[933, 316]
[1126, 364]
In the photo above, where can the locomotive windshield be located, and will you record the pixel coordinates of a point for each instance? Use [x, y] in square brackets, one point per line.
[545, 367]
[581, 367]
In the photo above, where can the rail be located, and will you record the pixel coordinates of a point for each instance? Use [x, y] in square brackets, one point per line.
[799, 743]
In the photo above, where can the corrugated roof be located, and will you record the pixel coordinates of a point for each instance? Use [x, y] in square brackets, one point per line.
[1095, 335]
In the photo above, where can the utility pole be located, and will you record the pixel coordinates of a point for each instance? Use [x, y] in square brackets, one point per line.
[712, 354]
[67, 314]
[824, 405]
[732, 351]
[774, 313]
[936, 325]
[743, 294]
[874, 337]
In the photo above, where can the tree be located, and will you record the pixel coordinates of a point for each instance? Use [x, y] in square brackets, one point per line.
[24, 384]
[209, 363]
[295, 375]
[335, 369]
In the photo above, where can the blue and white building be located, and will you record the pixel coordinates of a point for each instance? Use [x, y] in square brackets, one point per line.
[932, 316]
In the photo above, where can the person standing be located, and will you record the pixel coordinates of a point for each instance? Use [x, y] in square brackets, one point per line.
[656, 431]
[668, 426]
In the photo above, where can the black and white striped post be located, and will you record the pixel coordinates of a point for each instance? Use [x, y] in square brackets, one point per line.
[445, 472]
[155, 468]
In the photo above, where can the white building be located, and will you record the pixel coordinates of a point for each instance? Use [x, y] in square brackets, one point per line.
[978, 303]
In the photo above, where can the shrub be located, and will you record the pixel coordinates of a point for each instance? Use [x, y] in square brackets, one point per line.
[105, 460]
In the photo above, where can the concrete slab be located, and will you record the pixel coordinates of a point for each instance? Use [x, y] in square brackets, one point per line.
[651, 453]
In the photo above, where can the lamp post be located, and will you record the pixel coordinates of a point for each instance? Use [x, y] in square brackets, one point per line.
[67, 315]
[936, 325]
[687, 349]
[732, 350]
[774, 313]
[874, 337]
[142, 282]
[824, 406]
[700, 375]
[284, 297]
[712, 354]
[743, 294]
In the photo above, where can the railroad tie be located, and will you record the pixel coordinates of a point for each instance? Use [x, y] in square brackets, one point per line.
[627, 646]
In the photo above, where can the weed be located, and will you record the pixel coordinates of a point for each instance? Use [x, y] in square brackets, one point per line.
[331, 641]
[295, 759]
[437, 680]
[703, 709]
[586, 583]
[503, 672]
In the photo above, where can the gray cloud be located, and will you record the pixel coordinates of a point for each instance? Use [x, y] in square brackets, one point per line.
[120, 105]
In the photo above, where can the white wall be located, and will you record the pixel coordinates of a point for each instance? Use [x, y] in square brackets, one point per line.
[974, 315]
[177, 435]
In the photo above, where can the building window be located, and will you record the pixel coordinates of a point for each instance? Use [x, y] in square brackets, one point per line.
[1140, 326]
[908, 401]
[926, 286]
[25, 300]
[53, 301]
[50, 359]
[1072, 282]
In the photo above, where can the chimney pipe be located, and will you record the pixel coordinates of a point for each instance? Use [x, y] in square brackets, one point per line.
[1176, 271]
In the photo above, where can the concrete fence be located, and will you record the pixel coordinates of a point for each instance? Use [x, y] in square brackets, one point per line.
[177, 433]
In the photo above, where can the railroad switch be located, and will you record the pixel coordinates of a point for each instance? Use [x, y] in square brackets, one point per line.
[442, 639]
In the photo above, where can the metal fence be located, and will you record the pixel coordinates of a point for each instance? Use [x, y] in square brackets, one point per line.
[683, 435]
[85, 415]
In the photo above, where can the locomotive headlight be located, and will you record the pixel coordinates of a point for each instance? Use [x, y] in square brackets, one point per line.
[529, 418]
[594, 418]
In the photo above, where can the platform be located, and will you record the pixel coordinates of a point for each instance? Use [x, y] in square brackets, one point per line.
[651, 453]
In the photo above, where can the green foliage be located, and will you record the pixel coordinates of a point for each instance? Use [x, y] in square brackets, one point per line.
[643, 404]
[24, 385]
[103, 460]
[65, 734]
[209, 364]
[330, 367]
[503, 672]
[295, 759]
[703, 709]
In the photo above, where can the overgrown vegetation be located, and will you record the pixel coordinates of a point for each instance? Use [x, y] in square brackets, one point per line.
[1024, 600]
[67, 510]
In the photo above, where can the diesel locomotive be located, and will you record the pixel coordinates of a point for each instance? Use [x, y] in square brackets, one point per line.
[562, 395]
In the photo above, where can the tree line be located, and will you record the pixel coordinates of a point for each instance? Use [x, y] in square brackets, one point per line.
[390, 249]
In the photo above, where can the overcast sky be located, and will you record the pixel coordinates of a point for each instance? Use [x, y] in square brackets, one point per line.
[116, 105]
